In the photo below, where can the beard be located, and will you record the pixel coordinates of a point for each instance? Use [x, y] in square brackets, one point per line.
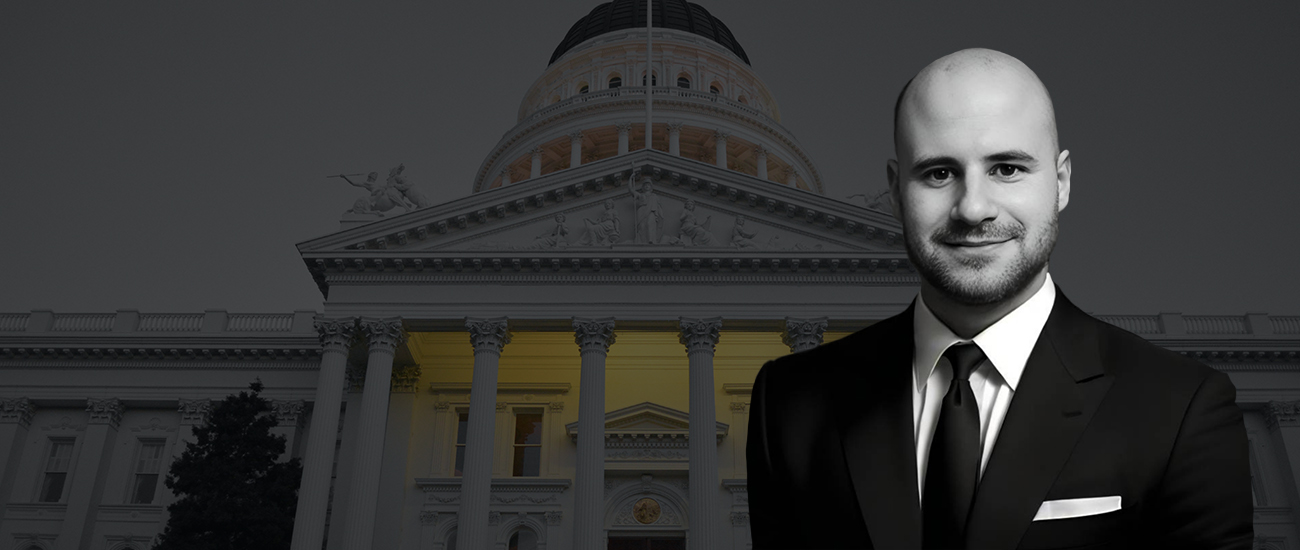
[975, 281]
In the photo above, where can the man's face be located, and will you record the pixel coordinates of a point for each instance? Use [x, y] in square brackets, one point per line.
[978, 185]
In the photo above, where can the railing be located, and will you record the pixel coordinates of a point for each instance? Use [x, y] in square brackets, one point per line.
[259, 322]
[171, 322]
[639, 91]
[83, 322]
[1215, 324]
[1286, 325]
[13, 322]
[1137, 324]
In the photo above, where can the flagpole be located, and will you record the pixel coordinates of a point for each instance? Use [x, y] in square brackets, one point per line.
[649, 78]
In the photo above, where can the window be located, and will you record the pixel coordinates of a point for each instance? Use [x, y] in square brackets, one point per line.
[146, 472]
[683, 82]
[461, 429]
[714, 88]
[56, 470]
[615, 82]
[528, 444]
[653, 80]
[524, 539]
[743, 100]
[584, 89]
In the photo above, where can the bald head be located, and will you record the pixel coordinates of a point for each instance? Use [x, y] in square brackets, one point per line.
[974, 82]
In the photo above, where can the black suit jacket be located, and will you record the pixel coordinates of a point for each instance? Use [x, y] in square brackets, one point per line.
[1098, 412]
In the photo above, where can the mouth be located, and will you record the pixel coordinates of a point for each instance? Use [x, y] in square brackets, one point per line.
[974, 244]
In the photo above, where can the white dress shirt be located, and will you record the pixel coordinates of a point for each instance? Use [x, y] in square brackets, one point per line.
[1006, 345]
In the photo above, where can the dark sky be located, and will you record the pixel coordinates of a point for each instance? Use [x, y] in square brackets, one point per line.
[167, 157]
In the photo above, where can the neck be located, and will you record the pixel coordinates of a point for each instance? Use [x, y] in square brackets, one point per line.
[966, 320]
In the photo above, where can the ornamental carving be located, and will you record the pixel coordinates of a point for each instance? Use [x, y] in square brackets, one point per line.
[1282, 413]
[675, 127]
[645, 454]
[194, 411]
[803, 334]
[405, 379]
[666, 517]
[646, 511]
[335, 334]
[287, 413]
[383, 334]
[105, 411]
[554, 517]
[488, 334]
[557, 406]
[700, 334]
[428, 518]
[738, 407]
[624, 127]
[739, 519]
[593, 334]
[19, 410]
[494, 518]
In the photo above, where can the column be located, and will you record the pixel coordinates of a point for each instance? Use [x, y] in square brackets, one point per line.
[488, 336]
[193, 413]
[700, 336]
[674, 138]
[89, 472]
[803, 334]
[1283, 421]
[720, 140]
[575, 149]
[624, 129]
[790, 175]
[505, 176]
[384, 336]
[760, 160]
[288, 423]
[15, 421]
[593, 336]
[537, 162]
[318, 458]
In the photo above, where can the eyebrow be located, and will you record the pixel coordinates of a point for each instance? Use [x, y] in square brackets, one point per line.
[924, 164]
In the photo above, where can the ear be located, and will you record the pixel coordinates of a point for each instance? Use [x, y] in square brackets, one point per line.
[1062, 180]
[891, 172]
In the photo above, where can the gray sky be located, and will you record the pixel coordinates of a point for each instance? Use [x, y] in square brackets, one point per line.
[167, 157]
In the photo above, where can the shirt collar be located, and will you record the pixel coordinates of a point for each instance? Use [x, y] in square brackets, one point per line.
[1007, 343]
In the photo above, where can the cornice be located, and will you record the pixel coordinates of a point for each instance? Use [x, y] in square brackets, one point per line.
[53, 349]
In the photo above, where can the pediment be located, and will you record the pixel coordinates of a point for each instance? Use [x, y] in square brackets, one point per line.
[606, 206]
[646, 420]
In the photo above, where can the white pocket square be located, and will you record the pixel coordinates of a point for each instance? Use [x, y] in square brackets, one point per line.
[1076, 507]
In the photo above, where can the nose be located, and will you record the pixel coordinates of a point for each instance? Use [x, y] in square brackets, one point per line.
[974, 205]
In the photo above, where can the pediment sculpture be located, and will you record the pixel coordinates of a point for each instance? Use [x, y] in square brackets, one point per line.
[395, 192]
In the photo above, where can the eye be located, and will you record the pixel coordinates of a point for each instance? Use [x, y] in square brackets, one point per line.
[939, 174]
[1007, 171]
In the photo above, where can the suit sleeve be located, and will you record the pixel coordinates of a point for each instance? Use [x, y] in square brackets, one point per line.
[763, 484]
[1204, 500]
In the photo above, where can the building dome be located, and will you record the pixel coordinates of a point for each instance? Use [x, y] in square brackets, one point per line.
[670, 14]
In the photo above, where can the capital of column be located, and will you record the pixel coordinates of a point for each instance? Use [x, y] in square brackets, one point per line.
[536, 152]
[335, 334]
[720, 135]
[803, 334]
[575, 135]
[383, 334]
[700, 334]
[593, 334]
[405, 379]
[760, 151]
[624, 127]
[194, 411]
[488, 334]
[675, 127]
[287, 413]
[107, 410]
[17, 410]
[1282, 413]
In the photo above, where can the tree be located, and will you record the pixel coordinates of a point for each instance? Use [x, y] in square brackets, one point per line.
[233, 491]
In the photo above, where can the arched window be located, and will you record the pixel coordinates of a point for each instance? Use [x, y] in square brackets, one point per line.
[713, 88]
[654, 80]
[583, 88]
[615, 81]
[524, 539]
[555, 99]
[743, 100]
[683, 81]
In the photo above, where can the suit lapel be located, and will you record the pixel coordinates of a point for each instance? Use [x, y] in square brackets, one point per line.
[877, 433]
[1062, 385]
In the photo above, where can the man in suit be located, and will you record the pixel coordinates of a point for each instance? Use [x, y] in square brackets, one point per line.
[992, 412]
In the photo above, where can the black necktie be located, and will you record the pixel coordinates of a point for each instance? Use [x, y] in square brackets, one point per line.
[952, 471]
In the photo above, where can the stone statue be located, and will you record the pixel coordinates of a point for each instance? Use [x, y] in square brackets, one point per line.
[382, 197]
[604, 230]
[553, 238]
[412, 198]
[741, 238]
[693, 232]
[649, 214]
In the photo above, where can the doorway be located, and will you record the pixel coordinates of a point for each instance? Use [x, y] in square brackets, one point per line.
[647, 543]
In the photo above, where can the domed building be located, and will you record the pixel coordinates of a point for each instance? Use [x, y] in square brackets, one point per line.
[561, 359]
